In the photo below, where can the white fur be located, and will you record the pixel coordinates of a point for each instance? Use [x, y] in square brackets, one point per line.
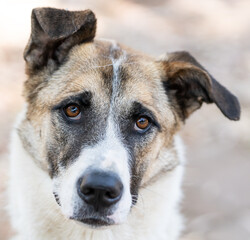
[36, 216]
[116, 64]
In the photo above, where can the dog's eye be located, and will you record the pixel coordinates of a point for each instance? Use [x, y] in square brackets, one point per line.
[73, 111]
[142, 124]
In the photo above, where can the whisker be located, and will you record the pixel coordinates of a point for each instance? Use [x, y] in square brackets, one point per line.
[154, 192]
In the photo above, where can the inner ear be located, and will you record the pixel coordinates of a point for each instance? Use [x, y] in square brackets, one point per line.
[188, 85]
[54, 32]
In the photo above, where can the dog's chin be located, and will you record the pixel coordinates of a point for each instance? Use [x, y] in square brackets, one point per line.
[94, 222]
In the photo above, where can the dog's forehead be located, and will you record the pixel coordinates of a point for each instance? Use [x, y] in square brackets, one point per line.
[105, 68]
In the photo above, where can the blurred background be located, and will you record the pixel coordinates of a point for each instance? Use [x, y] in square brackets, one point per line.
[216, 186]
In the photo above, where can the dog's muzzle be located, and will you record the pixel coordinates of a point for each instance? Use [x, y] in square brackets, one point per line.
[100, 191]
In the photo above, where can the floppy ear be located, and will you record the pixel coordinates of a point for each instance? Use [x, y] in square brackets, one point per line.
[54, 32]
[188, 85]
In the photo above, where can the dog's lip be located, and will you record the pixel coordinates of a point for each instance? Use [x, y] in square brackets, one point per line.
[94, 221]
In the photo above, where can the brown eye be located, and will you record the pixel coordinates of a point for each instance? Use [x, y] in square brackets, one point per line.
[73, 111]
[142, 123]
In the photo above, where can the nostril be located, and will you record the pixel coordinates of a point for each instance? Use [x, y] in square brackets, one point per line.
[111, 195]
[88, 191]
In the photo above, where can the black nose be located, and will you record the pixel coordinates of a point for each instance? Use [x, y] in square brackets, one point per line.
[100, 189]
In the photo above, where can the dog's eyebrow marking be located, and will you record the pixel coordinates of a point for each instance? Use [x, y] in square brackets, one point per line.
[83, 98]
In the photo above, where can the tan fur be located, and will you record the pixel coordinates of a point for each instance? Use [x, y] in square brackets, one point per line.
[80, 73]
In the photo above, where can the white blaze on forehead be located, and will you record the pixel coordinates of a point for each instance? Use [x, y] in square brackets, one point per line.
[116, 62]
[117, 156]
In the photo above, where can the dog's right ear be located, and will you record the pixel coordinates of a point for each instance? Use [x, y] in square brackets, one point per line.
[53, 33]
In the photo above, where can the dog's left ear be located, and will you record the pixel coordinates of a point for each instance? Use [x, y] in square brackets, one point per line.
[188, 85]
[54, 32]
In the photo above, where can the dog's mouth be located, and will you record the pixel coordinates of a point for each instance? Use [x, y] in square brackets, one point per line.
[94, 222]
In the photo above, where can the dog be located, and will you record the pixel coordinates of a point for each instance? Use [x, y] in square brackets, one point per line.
[95, 153]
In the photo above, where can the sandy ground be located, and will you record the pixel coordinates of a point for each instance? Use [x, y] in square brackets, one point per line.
[217, 194]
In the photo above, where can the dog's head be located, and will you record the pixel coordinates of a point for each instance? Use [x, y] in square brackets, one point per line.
[101, 117]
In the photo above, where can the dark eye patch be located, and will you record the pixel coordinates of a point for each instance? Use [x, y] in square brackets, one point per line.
[69, 137]
[82, 99]
[130, 136]
[136, 141]
[138, 110]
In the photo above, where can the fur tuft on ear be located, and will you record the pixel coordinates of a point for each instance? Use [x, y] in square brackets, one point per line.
[188, 85]
[54, 32]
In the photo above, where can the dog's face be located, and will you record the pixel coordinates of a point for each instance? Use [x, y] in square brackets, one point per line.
[101, 117]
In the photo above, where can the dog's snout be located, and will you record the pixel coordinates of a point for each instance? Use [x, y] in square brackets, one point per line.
[100, 189]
